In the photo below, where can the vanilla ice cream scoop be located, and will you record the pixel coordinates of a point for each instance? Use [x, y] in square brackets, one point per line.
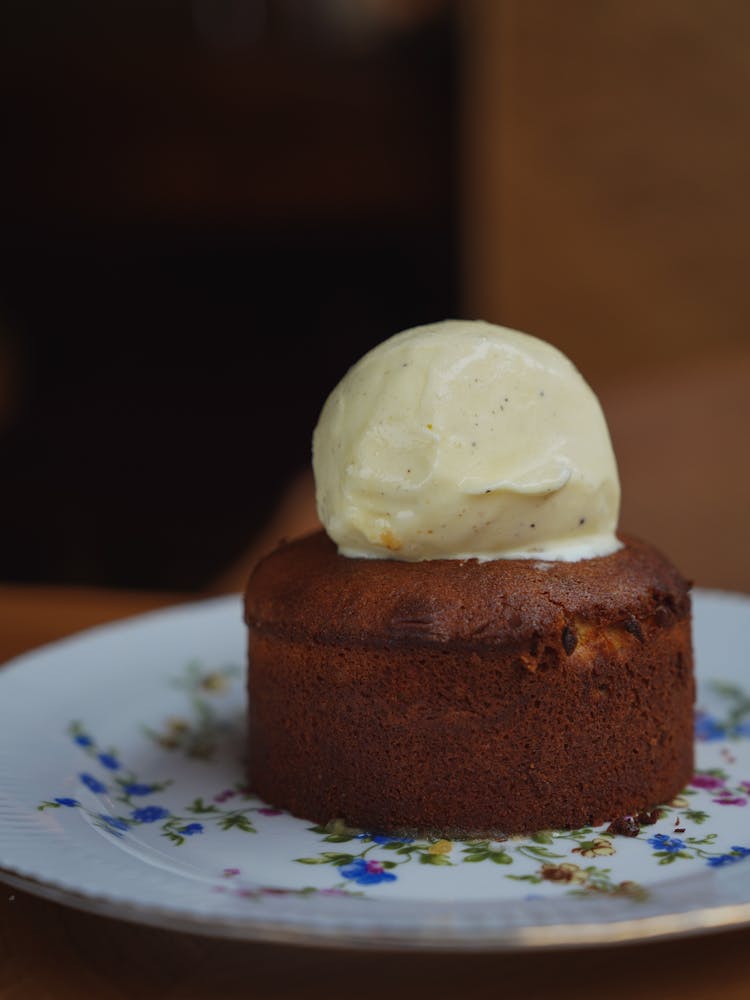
[464, 440]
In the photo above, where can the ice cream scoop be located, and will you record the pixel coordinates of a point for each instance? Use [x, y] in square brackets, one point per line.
[466, 440]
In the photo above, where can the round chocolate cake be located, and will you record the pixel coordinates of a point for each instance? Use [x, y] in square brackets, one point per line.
[467, 698]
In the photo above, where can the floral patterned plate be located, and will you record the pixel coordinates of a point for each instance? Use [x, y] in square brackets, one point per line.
[122, 792]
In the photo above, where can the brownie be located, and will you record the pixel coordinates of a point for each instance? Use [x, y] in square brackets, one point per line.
[468, 699]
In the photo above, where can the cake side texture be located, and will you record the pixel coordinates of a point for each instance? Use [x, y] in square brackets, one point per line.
[468, 698]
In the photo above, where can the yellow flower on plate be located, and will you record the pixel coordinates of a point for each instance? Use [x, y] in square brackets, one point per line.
[440, 847]
[595, 848]
[214, 682]
[565, 872]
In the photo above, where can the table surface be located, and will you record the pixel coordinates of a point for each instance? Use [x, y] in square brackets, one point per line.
[49, 950]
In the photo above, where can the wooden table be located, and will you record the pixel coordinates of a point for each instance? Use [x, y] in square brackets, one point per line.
[51, 951]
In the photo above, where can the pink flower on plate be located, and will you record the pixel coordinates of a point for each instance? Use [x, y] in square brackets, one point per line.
[228, 793]
[728, 800]
[230, 872]
[706, 781]
[745, 785]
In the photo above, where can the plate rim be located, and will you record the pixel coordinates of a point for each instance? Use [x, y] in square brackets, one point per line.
[550, 937]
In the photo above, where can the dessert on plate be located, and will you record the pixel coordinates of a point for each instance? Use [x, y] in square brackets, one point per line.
[469, 649]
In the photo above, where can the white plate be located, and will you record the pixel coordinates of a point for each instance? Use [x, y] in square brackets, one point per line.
[121, 792]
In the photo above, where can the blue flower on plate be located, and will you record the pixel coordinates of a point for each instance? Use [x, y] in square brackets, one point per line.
[150, 814]
[113, 822]
[190, 829]
[82, 740]
[664, 843]
[108, 760]
[738, 853]
[708, 729]
[70, 803]
[366, 872]
[93, 784]
[135, 789]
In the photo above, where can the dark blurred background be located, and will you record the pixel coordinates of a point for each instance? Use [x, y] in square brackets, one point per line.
[209, 210]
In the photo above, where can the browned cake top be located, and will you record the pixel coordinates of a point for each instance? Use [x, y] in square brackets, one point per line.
[306, 590]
